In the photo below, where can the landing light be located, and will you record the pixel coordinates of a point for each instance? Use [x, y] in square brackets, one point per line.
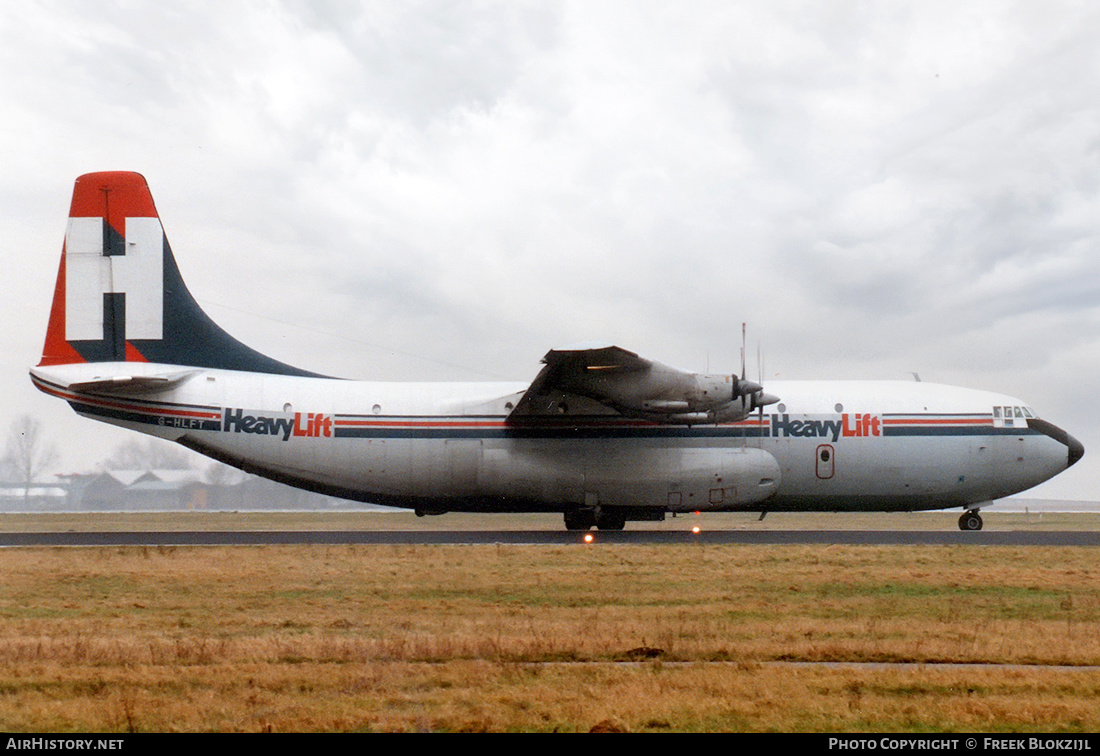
[695, 530]
[588, 538]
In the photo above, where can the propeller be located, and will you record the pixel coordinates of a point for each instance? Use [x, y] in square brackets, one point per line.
[760, 377]
[752, 392]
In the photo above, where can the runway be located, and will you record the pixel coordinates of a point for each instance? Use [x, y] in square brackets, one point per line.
[551, 538]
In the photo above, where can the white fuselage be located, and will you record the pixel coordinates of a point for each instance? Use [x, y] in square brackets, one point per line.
[848, 445]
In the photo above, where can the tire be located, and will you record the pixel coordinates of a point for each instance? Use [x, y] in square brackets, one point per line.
[970, 521]
[577, 519]
[611, 521]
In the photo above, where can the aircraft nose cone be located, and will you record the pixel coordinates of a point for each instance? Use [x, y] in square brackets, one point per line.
[1076, 450]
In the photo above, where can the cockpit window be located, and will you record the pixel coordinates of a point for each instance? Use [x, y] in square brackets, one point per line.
[1011, 417]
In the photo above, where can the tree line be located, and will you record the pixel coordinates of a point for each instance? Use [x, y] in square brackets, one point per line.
[30, 456]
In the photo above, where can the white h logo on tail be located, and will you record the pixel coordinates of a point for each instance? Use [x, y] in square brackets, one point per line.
[138, 273]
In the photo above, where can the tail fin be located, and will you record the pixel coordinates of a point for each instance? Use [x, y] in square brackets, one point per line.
[119, 295]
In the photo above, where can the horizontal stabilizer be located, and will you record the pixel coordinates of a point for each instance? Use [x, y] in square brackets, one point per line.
[132, 384]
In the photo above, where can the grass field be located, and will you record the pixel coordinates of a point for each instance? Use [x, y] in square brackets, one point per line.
[506, 638]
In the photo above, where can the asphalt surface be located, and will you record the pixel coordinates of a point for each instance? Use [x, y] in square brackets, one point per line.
[552, 537]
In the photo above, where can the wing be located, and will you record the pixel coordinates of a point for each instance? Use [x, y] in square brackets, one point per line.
[607, 379]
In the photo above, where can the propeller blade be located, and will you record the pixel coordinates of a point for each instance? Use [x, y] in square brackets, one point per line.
[743, 327]
[752, 392]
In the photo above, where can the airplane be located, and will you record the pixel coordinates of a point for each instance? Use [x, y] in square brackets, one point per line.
[601, 435]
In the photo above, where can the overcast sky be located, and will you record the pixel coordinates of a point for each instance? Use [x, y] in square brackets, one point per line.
[445, 191]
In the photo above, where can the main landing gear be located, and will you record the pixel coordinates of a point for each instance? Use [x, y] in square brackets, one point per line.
[970, 520]
[585, 518]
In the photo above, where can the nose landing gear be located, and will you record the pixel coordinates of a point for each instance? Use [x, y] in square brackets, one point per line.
[970, 520]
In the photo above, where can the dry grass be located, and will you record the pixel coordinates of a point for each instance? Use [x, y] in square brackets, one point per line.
[493, 696]
[544, 638]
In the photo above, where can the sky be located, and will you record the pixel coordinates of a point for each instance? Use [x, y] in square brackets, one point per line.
[447, 190]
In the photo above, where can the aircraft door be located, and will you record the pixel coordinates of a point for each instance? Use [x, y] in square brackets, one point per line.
[826, 461]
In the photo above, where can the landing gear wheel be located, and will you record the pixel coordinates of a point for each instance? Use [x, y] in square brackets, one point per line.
[970, 521]
[611, 521]
[578, 519]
